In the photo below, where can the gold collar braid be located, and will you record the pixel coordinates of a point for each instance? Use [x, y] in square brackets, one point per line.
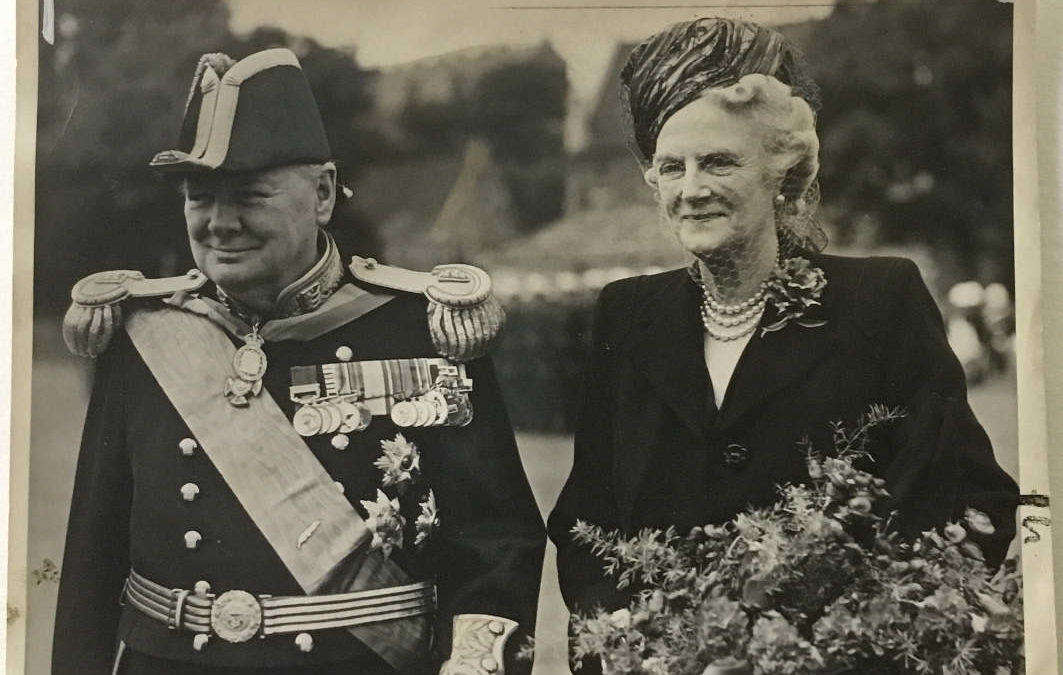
[306, 293]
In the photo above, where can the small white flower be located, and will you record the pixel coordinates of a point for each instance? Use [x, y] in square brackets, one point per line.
[621, 618]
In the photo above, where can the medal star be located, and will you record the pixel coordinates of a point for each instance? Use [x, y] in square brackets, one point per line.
[385, 522]
[400, 463]
[428, 521]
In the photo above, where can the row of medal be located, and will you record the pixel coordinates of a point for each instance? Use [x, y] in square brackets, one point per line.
[346, 415]
[344, 397]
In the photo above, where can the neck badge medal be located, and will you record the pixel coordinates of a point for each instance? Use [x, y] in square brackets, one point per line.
[249, 365]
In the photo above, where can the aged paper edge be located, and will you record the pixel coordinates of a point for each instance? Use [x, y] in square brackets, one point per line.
[25, 38]
[1038, 582]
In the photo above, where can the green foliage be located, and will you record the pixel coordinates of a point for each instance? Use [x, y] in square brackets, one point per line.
[915, 127]
[817, 583]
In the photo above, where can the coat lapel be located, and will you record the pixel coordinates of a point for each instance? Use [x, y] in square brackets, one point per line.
[773, 360]
[667, 345]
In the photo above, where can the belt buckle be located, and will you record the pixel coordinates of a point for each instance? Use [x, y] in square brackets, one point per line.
[235, 616]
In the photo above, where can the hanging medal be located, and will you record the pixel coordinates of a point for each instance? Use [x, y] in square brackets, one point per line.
[249, 365]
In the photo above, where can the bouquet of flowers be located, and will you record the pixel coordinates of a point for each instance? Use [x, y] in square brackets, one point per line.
[817, 583]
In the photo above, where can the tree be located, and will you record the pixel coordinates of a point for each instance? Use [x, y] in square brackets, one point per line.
[915, 127]
[520, 109]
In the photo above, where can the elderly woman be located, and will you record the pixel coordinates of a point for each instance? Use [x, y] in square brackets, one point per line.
[703, 381]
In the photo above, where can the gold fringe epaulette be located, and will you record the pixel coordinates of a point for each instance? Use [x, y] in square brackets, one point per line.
[96, 311]
[464, 318]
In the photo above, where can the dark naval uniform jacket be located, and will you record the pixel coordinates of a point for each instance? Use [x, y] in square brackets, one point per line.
[128, 512]
[652, 449]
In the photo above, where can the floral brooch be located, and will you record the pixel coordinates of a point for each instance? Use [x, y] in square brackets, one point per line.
[794, 289]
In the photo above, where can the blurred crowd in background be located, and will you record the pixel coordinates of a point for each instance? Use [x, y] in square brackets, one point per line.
[464, 157]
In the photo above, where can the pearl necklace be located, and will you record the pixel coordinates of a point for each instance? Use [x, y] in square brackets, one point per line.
[743, 306]
[733, 329]
[732, 322]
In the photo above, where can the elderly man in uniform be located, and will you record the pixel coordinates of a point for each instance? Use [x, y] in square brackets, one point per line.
[292, 462]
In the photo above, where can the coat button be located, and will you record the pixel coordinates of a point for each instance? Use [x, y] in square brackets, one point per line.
[735, 455]
[192, 539]
[305, 642]
[189, 491]
[345, 353]
[341, 441]
[200, 641]
[188, 446]
[202, 588]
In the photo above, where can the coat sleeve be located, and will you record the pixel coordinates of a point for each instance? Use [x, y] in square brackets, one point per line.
[492, 536]
[942, 461]
[96, 557]
[588, 494]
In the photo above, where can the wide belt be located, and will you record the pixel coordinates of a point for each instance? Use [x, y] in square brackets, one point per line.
[238, 616]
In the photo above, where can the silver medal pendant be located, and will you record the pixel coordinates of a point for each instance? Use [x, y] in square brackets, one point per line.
[249, 365]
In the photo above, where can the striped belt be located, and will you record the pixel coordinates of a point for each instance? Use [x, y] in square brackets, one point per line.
[238, 616]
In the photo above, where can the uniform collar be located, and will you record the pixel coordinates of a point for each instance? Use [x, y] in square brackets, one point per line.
[313, 305]
[305, 294]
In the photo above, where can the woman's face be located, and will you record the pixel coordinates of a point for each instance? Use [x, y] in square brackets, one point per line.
[712, 177]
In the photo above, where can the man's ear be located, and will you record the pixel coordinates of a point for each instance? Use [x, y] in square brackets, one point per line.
[651, 177]
[326, 193]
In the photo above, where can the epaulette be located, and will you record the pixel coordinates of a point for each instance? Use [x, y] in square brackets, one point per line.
[96, 310]
[464, 318]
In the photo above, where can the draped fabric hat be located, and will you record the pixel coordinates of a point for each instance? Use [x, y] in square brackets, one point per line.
[247, 115]
[675, 66]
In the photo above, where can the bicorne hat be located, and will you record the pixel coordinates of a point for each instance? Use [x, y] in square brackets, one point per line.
[247, 115]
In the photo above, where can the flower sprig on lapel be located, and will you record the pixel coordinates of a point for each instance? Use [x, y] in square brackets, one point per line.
[794, 289]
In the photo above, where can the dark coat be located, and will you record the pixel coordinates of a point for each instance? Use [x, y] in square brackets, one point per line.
[650, 443]
[127, 510]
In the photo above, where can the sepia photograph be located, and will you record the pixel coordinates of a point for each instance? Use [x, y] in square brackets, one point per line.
[541, 338]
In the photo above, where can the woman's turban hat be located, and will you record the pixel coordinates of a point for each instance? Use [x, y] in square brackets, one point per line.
[675, 66]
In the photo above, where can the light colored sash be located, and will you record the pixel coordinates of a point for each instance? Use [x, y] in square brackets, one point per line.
[274, 475]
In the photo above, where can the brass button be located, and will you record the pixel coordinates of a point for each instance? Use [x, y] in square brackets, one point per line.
[339, 486]
[188, 446]
[305, 642]
[202, 588]
[200, 641]
[344, 353]
[489, 664]
[496, 627]
[192, 539]
[341, 441]
[189, 491]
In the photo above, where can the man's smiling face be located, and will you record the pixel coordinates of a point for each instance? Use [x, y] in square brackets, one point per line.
[255, 231]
